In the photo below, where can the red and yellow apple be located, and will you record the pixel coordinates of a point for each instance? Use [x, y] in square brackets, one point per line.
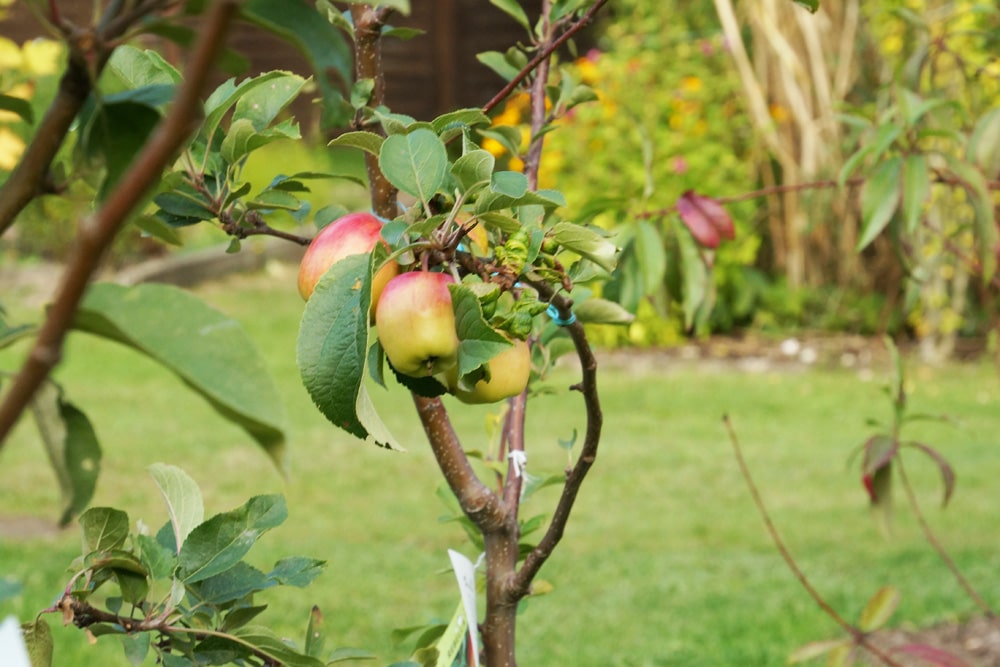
[509, 374]
[416, 323]
[353, 234]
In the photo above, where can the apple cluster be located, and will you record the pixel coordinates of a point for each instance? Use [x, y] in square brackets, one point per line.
[413, 314]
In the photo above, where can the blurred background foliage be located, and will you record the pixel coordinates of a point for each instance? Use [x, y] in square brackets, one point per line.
[691, 96]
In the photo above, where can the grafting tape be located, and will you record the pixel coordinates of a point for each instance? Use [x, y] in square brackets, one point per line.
[553, 312]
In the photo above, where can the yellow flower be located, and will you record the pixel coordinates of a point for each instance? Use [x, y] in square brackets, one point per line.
[10, 55]
[691, 84]
[511, 115]
[892, 44]
[587, 70]
[42, 56]
[778, 112]
[515, 164]
[493, 146]
[11, 147]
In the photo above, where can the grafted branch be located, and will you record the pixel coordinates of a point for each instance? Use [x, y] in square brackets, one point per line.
[97, 232]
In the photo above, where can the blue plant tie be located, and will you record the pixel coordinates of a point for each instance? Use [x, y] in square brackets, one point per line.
[553, 312]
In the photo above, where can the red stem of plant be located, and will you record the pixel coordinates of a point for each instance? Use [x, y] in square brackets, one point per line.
[857, 635]
[97, 232]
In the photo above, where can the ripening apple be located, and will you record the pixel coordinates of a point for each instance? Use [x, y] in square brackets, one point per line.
[416, 323]
[353, 234]
[509, 374]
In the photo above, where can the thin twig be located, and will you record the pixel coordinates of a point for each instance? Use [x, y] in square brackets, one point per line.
[97, 233]
[936, 544]
[543, 56]
[539, 94]
[588, 451]
[85, 615]
[859, 637]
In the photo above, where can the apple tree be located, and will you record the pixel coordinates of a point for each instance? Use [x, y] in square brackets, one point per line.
[464, 278]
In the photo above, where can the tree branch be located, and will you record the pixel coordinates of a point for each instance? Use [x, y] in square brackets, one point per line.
[27, 181]
[97, 232]
[84, 615]
[368, 24]
[478, 502]
[588, 451]
[543, 56]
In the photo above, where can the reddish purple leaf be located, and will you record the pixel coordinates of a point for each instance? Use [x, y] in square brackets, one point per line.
[879, 451]
[933, 655]
[947, 473]
[706, 219]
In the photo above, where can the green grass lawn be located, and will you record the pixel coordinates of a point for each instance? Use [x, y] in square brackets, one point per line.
[665, 561]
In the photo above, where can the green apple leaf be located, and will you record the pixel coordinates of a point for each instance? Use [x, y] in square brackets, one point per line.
[478, 341]
[244, 137]
[459, 120]
[229, 93]
[104, 529]
[38, 642]
[156, 558]
[270, 645]
[880, 199]
[499, 63]
[72, 448]
[221, 542]
[513, 9]
[209, 351]
[601, 311]
[325, 47]
[115, 135]
[366, 141]
[153, 226]
[332, 350]
[514, 184]
[233, 584]
[183, 499]
[129, 68]
[474, 168]
[416, 163]
[587, 242]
